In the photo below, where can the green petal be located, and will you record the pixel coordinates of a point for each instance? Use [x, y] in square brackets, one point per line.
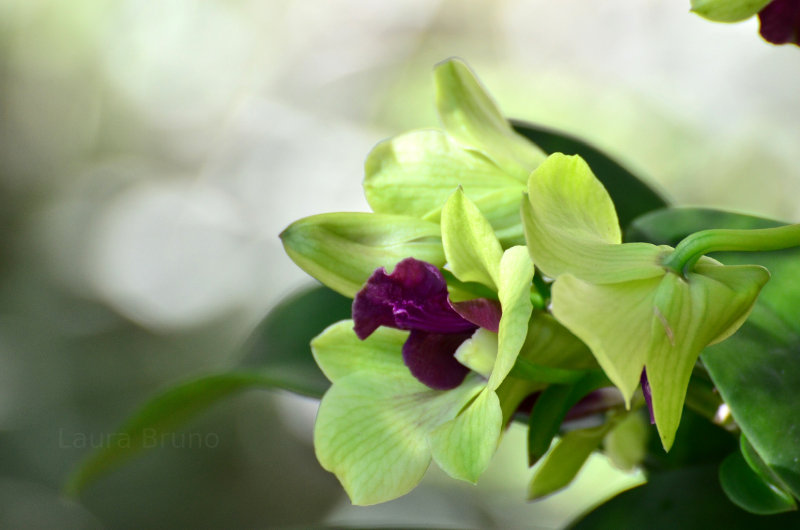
[343, 249]
[626, 444]
[689, 314]
[728, 10]
[472, 250]
[571, 226]
[371, 432]
[463, 446]
[613, 320]
[471, 117]
[516, 274]
[339, 352]
[550, 344]
[478, 353]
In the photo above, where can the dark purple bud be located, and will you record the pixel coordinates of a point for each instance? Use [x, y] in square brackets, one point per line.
[648, 398]
[412, 297]
[780, 22]
[482, 312]
[429, 357]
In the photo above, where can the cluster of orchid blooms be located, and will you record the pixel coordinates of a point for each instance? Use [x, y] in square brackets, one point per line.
[508, 276]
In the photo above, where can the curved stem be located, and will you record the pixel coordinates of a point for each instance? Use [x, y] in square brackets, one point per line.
[696, 245]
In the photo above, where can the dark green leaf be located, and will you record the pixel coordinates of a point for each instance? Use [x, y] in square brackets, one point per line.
[757, 370]
[631, 196]
[551, 408]
[685, 498]
[161, 415]
[749, 491]
[281, 342]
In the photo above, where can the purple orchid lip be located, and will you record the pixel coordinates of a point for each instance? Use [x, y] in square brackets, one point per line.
[414, 298]
[780, 22]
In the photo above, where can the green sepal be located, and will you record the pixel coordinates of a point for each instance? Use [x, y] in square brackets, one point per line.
[571, 226]
[516, 274]
[463, 446]
[342, 250]
[562, 464]
[551, 408]
[472, 250]
[414, 174]
[626, 444]
[470, 116]
[689, 314]
[728, 10]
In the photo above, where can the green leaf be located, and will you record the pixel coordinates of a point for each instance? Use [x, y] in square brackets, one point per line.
[757, 370]
[463, 446]
[161, 415]
[516, 274]
[342, 250]
[280, 343]
[571, 226]
[372, 431]
[471, 117]
[626, 444]
[632, 197]
[472, 250]
[414, 174]
[339, 352]
[687, 497]
[749, 491]
[728, 10]
[551, 408]
[560, 466]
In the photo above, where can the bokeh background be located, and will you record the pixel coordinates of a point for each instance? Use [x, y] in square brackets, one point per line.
[151, 152]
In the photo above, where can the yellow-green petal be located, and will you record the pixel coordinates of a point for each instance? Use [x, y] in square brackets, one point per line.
[470, 245]
[689, 314]
[463, 446]
[372, 432]
[516, 274]
[342, 250]
[728, 10]
[470, 116]
[613, 320]
[478, 353]
[571, 226]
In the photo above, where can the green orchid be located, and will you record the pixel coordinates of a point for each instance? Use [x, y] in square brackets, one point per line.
[628, 302]
[414, 173]
[379, 426]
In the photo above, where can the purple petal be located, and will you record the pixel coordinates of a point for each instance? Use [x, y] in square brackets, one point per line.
[482, 312]
[648, 398]
[780, 21]
[413, 297]
[429, 357]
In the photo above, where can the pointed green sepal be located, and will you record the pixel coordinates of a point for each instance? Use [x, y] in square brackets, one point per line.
[728, 10]
[463, 446]
[470, 245]
[470, 116]
[613, 320]
[516, 274]
[342, 250]
[688, 315]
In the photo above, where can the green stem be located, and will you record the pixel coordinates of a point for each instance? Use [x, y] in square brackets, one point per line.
[697, 245]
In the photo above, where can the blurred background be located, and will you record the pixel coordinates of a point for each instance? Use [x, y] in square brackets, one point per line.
[151, 152]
